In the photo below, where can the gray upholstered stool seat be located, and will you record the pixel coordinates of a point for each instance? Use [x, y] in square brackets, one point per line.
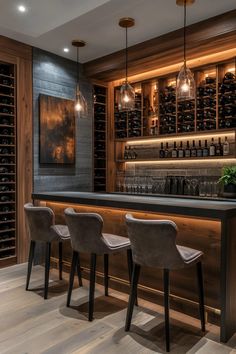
[87, 236]
[42, 228]
[61, 232]
[189, 255]
[153, 244]
[115, 242]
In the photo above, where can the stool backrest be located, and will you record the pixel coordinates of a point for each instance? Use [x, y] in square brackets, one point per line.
[85, 231]
[153, 242]
[39, 220]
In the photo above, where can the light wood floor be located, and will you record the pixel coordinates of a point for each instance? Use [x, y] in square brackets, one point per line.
[31, 325]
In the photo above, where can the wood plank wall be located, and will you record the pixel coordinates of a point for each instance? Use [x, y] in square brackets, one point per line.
[21, 55]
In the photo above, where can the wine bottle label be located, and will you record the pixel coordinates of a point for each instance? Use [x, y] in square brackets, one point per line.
[212, 150]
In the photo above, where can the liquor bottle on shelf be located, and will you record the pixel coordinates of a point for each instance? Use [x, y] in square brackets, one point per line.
[212, 149]
[162, 151]
[199, 149]
[205, 151]
[226, 147]
[167, 151]
[219, 150]
[193, 150]
[174, 152]
[187, 151]
[180, 150]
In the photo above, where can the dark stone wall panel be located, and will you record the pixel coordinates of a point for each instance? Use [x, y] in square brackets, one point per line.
[56, 76]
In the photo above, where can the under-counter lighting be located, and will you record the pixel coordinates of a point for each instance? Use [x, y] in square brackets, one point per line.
[22, 8]
[182, 161]
[150, 141]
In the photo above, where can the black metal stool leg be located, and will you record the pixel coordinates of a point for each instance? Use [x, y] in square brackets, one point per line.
[130, 270]
[106, 277]
[47, 268]
[30, 262]
[79, 271]
[92, 285]
[167, 306]
[60, 260]
[132, 296]
[72, 275]
[201, 295]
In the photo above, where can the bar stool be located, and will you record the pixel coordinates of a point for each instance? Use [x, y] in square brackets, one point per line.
[153, 245]
[86, 236]
[42, 228]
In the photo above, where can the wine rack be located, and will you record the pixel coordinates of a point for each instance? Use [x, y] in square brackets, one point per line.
[100, 137]
[7, 162]
[213, 109]
[227, 101]
[167, 110]
[128, 124]
[206, 104]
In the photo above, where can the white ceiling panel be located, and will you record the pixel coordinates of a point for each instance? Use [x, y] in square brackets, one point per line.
[53, 24]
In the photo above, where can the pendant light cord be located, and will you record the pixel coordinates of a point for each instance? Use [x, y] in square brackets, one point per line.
[77, 84]
[126, 55]
[185, 32]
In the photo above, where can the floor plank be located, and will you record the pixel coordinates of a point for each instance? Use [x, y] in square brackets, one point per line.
[31, 325]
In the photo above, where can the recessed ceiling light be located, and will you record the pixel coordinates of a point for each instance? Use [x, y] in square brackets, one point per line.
[21, 8]
[66, 50]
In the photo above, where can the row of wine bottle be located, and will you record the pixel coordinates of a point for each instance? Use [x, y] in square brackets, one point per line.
[185, 151]
[214, 149]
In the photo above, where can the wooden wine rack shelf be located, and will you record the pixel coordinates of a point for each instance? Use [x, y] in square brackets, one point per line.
[7, 143]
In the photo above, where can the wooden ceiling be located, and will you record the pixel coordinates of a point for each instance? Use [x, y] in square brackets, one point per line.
[206, 37]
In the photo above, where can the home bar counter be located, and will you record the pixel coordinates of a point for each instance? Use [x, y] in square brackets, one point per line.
[206, 225]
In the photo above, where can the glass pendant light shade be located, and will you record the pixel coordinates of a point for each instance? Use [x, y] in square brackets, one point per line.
[127, 97]
[185, 84]
[80, 102]
[185, 89]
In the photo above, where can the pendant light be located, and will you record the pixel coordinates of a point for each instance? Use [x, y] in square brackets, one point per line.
[127, 93]
[80, 101]
[185, 89]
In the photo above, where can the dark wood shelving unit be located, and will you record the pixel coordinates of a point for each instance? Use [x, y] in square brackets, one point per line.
[161, 114]
[100, 139]
[8, 185]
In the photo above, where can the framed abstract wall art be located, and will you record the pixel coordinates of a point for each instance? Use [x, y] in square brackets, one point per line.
[56, 131]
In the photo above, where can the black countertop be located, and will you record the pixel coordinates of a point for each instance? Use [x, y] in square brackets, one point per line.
[169, 205]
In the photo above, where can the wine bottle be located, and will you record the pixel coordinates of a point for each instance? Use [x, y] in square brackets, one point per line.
[180, 150]
[219, 148]
[162, 151]
[193, 150]
[199, 149]
[187, 150]
[167, 151]
[212, 150]
[226, 147]
[205, 151]
[174, 152]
